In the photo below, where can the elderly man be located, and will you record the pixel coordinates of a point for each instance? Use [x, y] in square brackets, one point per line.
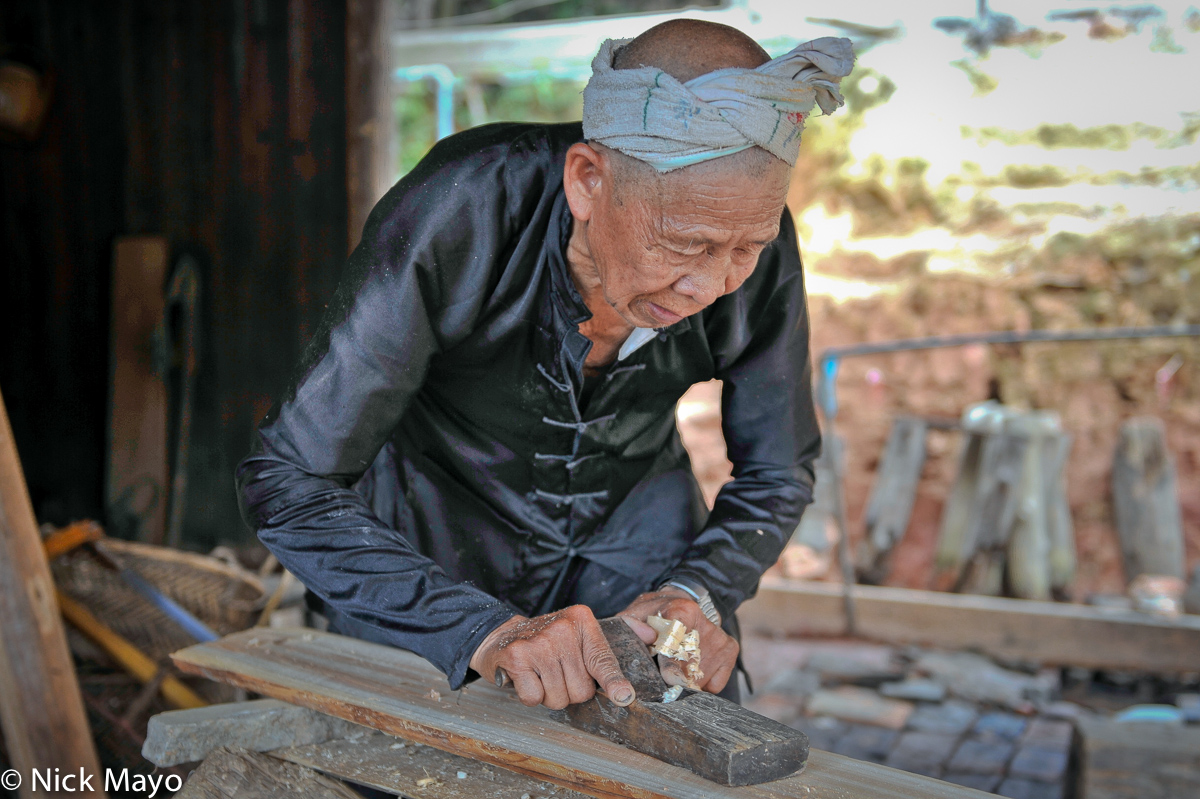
[479, 457]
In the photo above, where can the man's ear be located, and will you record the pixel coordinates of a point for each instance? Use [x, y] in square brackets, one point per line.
[584, 174]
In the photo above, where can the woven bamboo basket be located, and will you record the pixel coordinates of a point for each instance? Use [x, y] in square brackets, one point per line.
[223, 597]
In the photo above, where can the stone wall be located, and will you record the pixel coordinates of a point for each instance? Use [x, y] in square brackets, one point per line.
[1049, 183]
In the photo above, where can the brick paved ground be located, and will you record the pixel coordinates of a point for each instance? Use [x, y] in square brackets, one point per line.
[981, 746]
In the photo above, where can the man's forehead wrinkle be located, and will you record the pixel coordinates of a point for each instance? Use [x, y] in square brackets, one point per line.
[713, 232]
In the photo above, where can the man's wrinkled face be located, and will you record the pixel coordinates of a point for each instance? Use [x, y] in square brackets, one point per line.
[667, 248]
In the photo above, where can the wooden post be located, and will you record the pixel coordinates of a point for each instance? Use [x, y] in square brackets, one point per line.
[41, 709]
[370, 155]
[890, 506]
[1145, 500]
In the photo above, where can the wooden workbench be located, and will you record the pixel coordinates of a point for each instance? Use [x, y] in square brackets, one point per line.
[401, 694]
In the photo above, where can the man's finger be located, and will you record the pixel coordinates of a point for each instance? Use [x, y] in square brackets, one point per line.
[580, 685]
[719, 680]
[554, 686]
[603, 666]
[528, 686]
[672, 671]
[641, 629]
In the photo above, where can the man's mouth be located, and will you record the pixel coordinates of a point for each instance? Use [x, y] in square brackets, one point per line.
[662, 314]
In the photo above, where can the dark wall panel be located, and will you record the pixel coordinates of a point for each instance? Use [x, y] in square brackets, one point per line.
[60, 207]
[224, 130]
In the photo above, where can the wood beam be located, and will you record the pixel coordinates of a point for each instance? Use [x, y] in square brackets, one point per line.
[370, 134]
[1050, 633]
[401, 694]
[41, 708]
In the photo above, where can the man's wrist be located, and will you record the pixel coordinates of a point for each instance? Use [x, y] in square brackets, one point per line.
[485, 636]
[700, 594]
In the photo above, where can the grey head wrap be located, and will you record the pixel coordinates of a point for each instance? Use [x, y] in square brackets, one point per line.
[649, 115]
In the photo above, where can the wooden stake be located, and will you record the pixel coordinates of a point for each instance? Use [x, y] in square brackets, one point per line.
[41, 708]
[1146, 501]
[890, 506]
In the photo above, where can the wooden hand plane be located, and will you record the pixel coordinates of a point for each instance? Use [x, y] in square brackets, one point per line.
[704, 733]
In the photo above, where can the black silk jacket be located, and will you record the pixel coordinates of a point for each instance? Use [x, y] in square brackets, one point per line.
[433, 468]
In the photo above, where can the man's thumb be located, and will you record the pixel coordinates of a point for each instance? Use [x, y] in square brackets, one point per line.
[603, 666]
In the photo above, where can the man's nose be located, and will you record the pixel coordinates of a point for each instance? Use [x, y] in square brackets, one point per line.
[704, 283]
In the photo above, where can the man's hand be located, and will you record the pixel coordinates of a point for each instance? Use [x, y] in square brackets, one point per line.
[554, 660]
[718, 650]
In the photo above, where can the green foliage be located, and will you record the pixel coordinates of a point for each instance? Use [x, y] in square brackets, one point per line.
[1164, 41]
[865, 89]
[416, 124]
[544, 99]
[541, 99]
[1102, 137]
[1029, 176]
[983, 83]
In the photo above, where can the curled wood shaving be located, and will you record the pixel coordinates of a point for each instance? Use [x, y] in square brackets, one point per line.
[677, 642]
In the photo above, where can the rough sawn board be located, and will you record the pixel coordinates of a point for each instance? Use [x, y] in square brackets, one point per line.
[399, 693]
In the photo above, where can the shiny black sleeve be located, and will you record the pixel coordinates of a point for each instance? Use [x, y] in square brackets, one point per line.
[770, 429]
[411, 289]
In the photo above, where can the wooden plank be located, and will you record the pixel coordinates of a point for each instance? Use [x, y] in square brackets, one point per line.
[41, 709]
[403, 767]
[399, 693]
[1051, 633]
[242, 774]
[136, 482]
[1146, 501]
[1137, 760]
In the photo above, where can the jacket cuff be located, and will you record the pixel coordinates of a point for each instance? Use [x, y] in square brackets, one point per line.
[460, 671]
[725, 604]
